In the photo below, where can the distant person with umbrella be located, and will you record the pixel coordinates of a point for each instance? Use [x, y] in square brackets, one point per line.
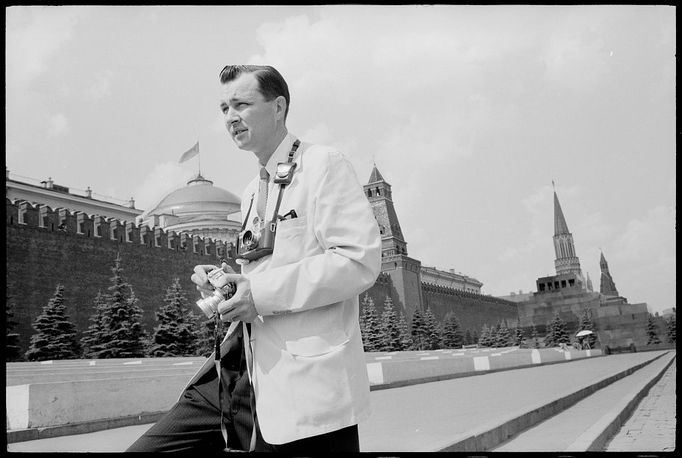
[583, 339]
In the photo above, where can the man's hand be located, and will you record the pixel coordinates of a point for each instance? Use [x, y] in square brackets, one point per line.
[200, 277]
[240, 306]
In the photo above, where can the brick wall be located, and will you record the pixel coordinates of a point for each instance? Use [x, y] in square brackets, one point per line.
[39, 258]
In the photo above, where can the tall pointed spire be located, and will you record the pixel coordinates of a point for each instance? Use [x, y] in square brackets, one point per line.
[375, 176]
[607, 286]
[560, 226]
[566, 259]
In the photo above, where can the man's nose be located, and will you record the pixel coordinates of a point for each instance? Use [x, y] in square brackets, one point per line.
[231, 116]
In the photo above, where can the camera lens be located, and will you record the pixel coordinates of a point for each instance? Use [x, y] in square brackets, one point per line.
[249, 239]
[210, 304]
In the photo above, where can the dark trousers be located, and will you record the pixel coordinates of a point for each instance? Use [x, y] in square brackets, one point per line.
[193, 423]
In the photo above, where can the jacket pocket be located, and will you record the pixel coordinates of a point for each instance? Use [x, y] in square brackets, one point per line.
[290, 243]
[317, 345]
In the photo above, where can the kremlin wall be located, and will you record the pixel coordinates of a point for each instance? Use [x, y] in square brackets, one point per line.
[65, 245]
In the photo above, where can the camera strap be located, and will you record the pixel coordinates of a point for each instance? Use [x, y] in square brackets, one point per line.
[283, 184]
[290, 159]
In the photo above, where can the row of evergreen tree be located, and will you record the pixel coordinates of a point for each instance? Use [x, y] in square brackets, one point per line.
[115, 329]
[388, 331]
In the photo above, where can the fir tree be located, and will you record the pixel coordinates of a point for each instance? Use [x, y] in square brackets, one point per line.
[468, 338]
[474, 337]
[124, 336]
[452, 332]
[405, 335]
[95, 336]
[176, 333]
[652, 331]
[485, 337]
[56, 335]
[518, 335]
[432, 330]
[370, 327]
[205, 337]
[502, 335]
[420, 333]
[12, 346]
[390, 327]
[495, 334]
[671, 329]
[557, 333]
[587, 324]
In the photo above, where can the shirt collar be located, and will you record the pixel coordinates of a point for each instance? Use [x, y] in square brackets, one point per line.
[280, 155]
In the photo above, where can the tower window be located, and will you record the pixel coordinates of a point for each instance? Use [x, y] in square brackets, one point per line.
[563, 283]
[378, 191]
[369, 193]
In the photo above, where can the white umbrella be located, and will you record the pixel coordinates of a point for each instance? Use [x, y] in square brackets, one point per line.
[584, 332]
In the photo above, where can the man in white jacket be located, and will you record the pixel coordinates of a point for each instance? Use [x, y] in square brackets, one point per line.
[302, 350]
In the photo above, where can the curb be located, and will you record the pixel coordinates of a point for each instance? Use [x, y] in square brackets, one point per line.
[30, 434]
[489, 438]
[443, 377]
[596, 438]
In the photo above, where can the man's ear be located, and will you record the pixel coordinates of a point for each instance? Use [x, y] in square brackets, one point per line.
[281, 106]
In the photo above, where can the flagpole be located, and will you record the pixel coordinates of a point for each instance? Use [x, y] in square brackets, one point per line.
[199, 154]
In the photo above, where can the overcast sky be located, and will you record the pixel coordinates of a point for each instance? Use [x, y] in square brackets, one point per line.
[469, 113]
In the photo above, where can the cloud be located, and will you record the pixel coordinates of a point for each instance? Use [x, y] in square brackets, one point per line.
[57, 125]
[33, 36]
[101, 86]
[165, 178]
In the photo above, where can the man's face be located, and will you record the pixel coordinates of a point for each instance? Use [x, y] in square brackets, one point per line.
[249, 118]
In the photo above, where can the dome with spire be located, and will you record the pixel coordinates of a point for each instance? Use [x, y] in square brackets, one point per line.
[199, 208]
[198, 198]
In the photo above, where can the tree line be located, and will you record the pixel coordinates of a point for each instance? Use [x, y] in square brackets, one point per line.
[389, 331]
[115, 328]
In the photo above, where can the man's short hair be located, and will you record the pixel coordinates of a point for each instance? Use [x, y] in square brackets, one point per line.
[270, 81]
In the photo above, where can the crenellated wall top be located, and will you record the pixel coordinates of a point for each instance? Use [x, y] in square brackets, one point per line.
[22, 213]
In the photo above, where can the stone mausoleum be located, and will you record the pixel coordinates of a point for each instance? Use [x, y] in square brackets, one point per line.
[617, 323]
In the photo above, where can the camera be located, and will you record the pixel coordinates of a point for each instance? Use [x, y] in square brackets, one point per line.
[253, 244]
[259, 241]
[223, 290]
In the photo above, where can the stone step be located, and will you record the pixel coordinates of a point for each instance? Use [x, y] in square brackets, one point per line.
[587, 425]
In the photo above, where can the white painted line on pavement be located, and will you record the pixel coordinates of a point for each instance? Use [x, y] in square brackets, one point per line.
[46, 362]
[375, 373]
[384, 357]
[481, 363]
[458, 354]
[535, 356]
[133, 362]
[496, 354]
[428, 357]
[92, 363]
[188, 363]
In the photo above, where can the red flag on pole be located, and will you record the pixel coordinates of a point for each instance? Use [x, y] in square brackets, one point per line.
[190, 153]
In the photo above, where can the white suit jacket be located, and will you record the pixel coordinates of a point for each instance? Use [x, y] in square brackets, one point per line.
[309, 372]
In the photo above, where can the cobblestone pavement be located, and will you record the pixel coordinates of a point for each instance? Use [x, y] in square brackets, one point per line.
[653, 423]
